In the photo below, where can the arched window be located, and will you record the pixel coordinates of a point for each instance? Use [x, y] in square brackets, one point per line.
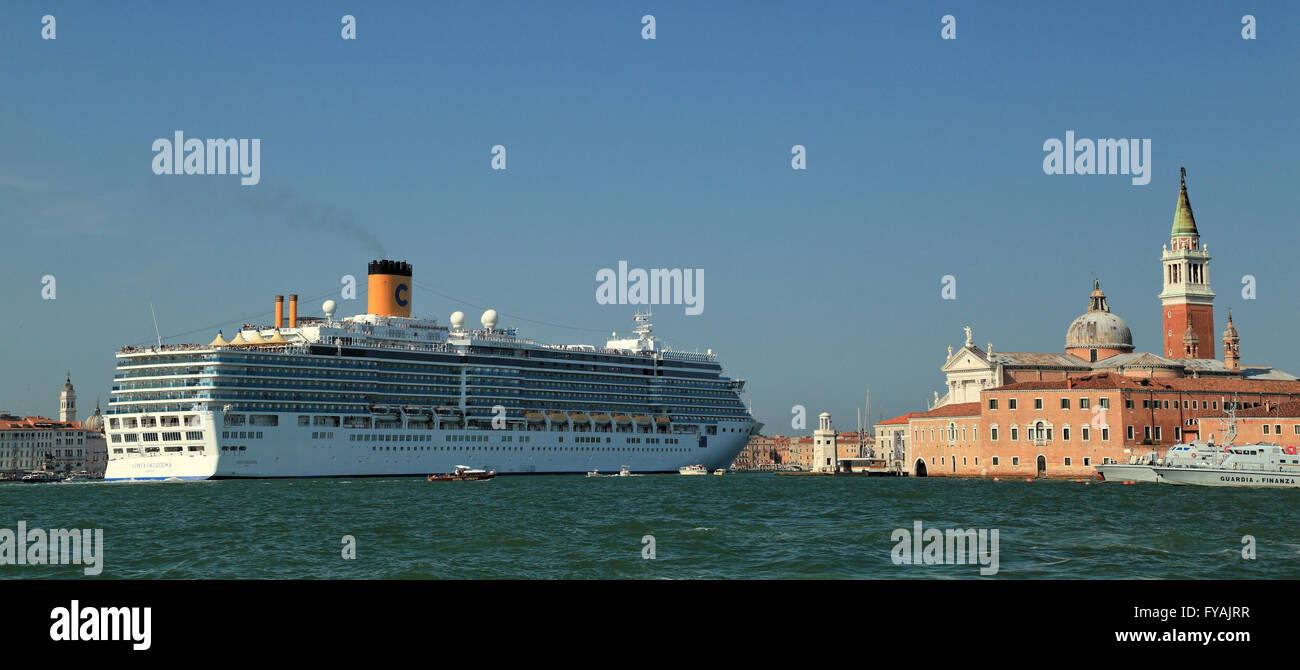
[1038, 428]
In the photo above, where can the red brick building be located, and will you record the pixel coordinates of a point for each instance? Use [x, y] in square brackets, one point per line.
[1065, 427]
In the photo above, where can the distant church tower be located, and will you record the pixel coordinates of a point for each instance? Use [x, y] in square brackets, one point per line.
[825, 449]
[1231, 346]
[1187, 303]
[68, 401]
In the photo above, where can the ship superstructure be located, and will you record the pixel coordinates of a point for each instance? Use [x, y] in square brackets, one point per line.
[387, 393]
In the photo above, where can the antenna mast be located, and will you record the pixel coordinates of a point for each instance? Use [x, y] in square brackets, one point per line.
[155, 325]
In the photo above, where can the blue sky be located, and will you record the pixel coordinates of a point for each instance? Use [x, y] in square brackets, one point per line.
[924, 160]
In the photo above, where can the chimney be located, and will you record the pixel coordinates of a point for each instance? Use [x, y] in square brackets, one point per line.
[293, 310]
[279, 311]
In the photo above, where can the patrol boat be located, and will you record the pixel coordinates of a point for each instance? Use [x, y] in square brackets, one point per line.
[1251, 465]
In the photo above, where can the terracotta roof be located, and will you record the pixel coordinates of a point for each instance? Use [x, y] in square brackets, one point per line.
[29, 423]
[1281, 409]
[958, 409]
[1107, 380]
[902, 418]
[1014, 359]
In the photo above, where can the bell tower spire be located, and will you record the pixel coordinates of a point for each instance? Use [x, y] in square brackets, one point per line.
[1186, 303]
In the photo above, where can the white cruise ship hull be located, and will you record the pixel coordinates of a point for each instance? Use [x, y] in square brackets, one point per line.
[301, 451]
[1228, 477]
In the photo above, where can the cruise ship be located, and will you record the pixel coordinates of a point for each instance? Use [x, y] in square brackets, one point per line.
[388, 394]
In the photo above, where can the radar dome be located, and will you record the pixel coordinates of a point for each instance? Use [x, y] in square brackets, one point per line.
[329, 307]
[458, 319]
[490, 319]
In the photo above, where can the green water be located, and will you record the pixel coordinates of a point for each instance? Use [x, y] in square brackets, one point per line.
[736, 526]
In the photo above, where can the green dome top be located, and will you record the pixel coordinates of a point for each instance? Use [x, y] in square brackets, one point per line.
[1184, 222]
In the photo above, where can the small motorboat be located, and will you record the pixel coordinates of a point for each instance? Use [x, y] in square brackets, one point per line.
[624, 471]
[42, 476]
[463, 473]
[719, 472]
[595, 472]
[696, 469]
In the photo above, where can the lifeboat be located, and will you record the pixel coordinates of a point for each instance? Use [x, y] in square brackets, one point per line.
[640, 419]
[534, 416]
[578, 417]
[661, 420]
[557, 416]
[417, 414]
[600, 418]
[622, 418]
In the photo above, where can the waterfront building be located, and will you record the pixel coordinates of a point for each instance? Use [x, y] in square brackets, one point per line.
[28, 442]
[801, 452]
[891, 440]
[1273, 422]
[1065, 427]
[1059, 414]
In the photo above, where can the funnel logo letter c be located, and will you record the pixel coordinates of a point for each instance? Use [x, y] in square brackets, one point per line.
[401, 288]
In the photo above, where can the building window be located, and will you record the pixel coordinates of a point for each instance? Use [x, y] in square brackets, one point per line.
[993, 432]
[1065, 433]
[1178, 433]
[1105, 402]
[1067, 461]
[1277, 429]
[1038, 403]
[1128, 403]
[1128, 435]
[1085, 403]
[1015, 460]
[1105, 435]
[993, 403]
[1146, 433]
[1266, 429]
[1011, 403]
[1158, 436]
[1083, 433]
[1065, 403]
[995, 460]
[1013, 433]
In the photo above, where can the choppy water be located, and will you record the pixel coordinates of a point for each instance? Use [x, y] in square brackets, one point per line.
[736, 526]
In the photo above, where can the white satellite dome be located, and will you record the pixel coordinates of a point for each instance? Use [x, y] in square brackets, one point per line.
[489, 319]
[458, 319]
[329, 307]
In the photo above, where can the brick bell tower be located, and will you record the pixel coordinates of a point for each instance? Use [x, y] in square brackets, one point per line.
[1186, 303]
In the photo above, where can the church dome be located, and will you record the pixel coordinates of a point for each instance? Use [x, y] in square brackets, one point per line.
[94, 421]
[1098, 328]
